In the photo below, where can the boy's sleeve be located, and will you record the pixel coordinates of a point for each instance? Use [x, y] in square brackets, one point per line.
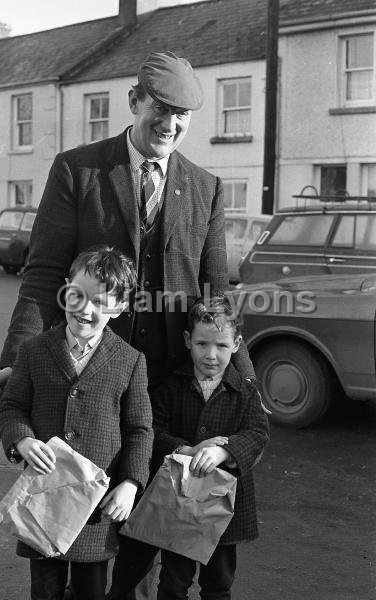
[136, 427]
[247, 445]
[164, 442]
[16, 403]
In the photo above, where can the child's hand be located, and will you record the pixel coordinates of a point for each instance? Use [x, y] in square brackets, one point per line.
[218, 440]
[206, 459]
[117, 505]
[37, 454]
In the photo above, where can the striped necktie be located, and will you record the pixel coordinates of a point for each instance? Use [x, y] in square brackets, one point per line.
[147, 214]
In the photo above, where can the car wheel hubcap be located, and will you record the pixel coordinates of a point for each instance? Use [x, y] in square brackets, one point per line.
[286, 385]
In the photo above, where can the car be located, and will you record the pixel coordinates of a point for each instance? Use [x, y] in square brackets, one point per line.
[242, 231]
[15, 228]
[325, 235]
[310, 338]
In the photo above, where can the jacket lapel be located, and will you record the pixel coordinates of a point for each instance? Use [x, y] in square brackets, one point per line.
[108, 346]
[176, 196]
[121, 182]
[58, 348]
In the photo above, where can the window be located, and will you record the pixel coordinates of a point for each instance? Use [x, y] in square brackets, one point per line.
[357, 232]
[368, 172]
[302, 230]
[358, 68]
[11, 220]
[28, 221]
[21, 193]
[332, 180]
[22, 107]
[97, 110]
[235, 195]
[235, 107]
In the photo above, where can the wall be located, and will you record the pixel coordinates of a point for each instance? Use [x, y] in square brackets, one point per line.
[35, 163]
[309, 135]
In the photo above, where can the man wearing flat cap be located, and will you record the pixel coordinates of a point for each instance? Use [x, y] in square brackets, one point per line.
[137, 193]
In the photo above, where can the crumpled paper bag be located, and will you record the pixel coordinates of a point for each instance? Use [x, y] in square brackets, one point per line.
[184, 513]
[47, 512]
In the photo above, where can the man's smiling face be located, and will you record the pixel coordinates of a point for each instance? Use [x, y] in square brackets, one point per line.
[158, 129]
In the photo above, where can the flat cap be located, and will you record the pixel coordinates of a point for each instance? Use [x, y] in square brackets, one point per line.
[171, 80]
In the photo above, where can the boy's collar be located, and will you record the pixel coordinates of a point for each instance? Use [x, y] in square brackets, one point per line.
[230, 377]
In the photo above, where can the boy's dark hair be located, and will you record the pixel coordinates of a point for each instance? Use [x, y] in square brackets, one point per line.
[215, 309]
[109, 266]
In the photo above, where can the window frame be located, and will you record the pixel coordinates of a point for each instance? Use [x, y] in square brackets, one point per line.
[91, 121]
[343, 74]
[17, 123]
[221, 117]
[233, 182]
[27, 186]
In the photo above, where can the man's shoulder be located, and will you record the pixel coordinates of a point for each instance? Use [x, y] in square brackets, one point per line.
[199, 172]
[89, 154]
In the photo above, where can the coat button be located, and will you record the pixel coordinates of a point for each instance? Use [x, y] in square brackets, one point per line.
[143, 332]
[69, 435]
[146, 283]
[177, 192]
[73, 393]
[147, 256]
[203, 429]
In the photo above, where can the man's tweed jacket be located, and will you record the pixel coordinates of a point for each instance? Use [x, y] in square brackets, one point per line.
[105, 411]
[89, 200]
[182, 417]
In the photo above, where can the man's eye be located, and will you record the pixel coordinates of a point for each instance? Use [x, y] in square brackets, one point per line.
[183, 115]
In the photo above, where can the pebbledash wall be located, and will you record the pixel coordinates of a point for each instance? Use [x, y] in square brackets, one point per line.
[317, 127]
[235, 160]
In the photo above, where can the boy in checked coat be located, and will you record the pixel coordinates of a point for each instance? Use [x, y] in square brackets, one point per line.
[208, 411]
[83, 383]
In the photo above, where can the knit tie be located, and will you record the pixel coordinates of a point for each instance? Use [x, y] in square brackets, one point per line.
[147, 210]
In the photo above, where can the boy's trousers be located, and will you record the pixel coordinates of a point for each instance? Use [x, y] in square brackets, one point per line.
[215, 579]
[49, 578]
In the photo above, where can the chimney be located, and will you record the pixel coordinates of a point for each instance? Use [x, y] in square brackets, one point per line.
[4, 30]
[128, 13]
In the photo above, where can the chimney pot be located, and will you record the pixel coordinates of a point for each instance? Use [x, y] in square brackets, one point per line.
[128, 13]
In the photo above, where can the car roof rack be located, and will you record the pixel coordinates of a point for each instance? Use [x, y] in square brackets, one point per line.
[341, 196]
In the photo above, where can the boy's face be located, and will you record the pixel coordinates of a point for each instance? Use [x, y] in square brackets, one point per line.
[88, 306]
[211, 348]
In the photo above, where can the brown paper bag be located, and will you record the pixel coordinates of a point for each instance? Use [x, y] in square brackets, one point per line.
[47, 512]
[184, 513]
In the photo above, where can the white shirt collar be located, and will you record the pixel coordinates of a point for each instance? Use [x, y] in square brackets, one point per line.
[136, 158]
[73, 341]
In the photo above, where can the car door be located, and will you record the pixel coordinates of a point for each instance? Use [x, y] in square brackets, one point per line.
[352, 248]
[295, 246]
[10, 222]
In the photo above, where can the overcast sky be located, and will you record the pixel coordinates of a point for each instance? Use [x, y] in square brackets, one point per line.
[26, 16]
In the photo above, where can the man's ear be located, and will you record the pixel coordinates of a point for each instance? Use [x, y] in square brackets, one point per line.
[237, 341]
[133, 101]
[187, 339]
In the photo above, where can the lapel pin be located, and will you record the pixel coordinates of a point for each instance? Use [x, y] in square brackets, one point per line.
[177, 192]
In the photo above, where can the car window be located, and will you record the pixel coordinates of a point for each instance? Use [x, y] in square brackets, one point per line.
[344, 235]
[365, 236]
[235, 228]
[255, 230]
[302, 230]
[10, 220]
[27, 223]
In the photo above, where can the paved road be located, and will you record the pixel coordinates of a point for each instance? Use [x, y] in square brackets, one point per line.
[317, 510]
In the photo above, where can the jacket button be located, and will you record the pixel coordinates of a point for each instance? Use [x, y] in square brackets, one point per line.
[146, 283]
[143, 332]
[203, 429]
[142, 229]
[73, 393]
[69, 435]
[148, 257]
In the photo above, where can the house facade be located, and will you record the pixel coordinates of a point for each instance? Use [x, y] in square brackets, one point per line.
[327, 101]
[69, 86]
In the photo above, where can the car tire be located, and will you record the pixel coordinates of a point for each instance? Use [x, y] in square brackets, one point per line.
[11, 269]
[295, 382]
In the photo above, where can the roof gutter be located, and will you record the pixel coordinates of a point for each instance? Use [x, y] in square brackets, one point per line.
[18, 84]
[363, 17]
